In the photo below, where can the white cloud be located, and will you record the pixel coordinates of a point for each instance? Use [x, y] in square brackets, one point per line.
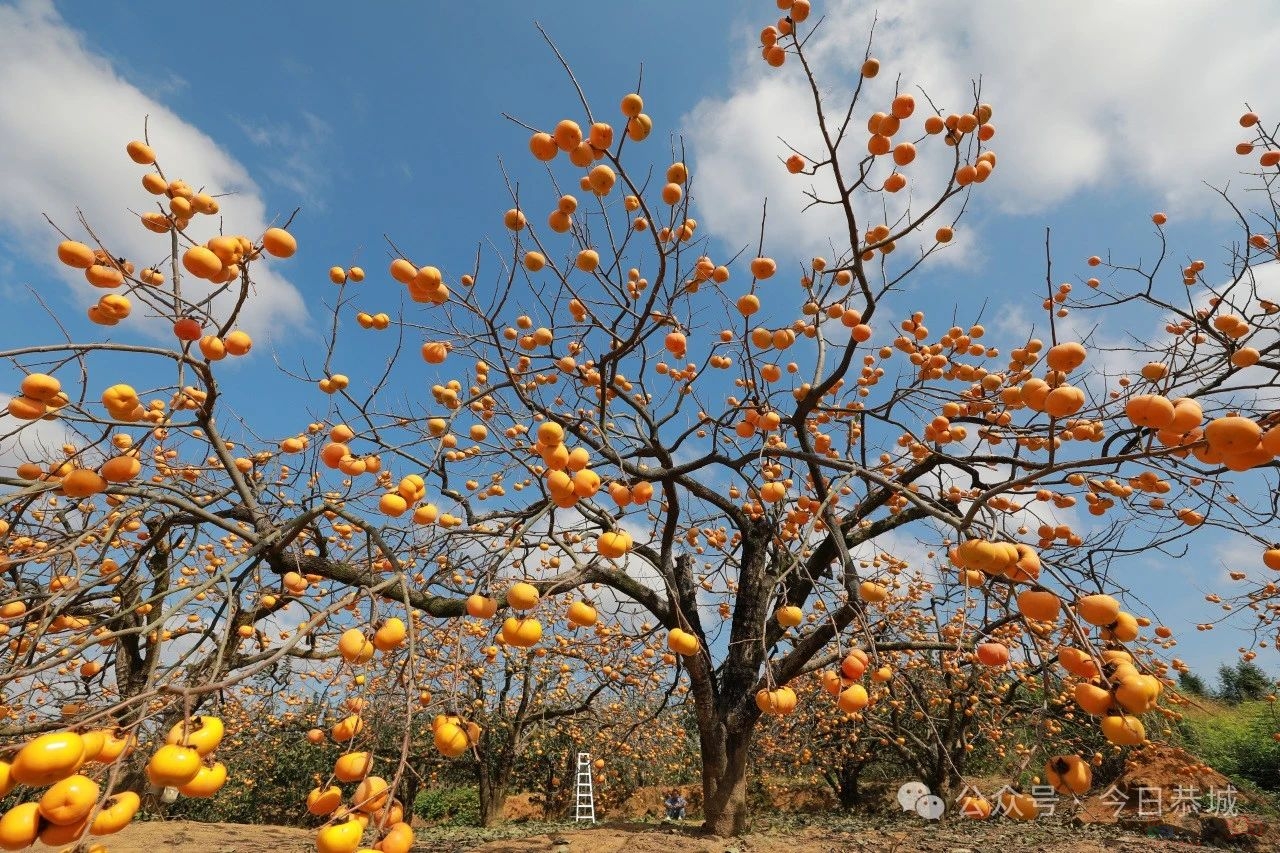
[299, 152]
[1119, 351]
[1087, 95]
[35, 441]
[739, 144]
[65, 116]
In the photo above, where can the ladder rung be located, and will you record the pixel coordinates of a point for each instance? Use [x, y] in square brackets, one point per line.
[585, 808]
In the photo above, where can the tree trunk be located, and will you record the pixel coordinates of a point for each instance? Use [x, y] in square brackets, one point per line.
[945, 774]
[724, 777]
[848, 791]
[491, 808]
[549, 789]
[559, 792]
[493, 794]
[410, 782]
[723, 699]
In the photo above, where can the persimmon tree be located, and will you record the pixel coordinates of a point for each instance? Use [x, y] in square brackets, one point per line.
[915, 712]
[643, 744]
[516, 695]
[268, 757]
[738, 450]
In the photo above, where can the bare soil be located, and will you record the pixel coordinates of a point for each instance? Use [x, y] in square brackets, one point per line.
[823, 835]
[154, 836]
[905, 837]
[798, 819]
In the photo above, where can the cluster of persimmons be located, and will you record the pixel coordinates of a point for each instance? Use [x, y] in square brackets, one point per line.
[621, 418]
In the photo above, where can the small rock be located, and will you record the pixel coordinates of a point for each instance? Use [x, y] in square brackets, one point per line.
[1170, 825]
[1228, 828]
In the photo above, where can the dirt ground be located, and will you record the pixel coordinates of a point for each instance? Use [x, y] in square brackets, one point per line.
[1094, 826]
[1113, 819]
[156, 836]
[960, 838]
[896, 837]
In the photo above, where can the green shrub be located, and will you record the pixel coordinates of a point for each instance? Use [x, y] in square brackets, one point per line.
[269, 775]
[449, 806]
[1243, 682]
[1237, 741]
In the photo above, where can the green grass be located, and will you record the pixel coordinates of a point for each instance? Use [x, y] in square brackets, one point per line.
[1237, 741]
[449, 806]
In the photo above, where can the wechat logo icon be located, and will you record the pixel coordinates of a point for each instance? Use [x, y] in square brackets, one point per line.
[916, 797]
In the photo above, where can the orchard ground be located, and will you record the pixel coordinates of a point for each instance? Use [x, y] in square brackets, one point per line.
[815, 835]
[801, 817]
[712, 508]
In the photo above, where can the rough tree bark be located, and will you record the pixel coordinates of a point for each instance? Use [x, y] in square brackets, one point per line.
[726, 747]
[494, 783]
[845, 783]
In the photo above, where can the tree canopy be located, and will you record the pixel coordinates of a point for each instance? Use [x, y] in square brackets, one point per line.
[716, 476]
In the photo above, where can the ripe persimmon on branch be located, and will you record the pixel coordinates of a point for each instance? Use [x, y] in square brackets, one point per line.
[621, 422]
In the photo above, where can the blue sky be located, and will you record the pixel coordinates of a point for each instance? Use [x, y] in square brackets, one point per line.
[387, 120]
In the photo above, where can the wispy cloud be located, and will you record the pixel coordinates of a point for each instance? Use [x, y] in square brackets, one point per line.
[298, 151]
[66, 115]
[38, 441]
[1089, 95]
